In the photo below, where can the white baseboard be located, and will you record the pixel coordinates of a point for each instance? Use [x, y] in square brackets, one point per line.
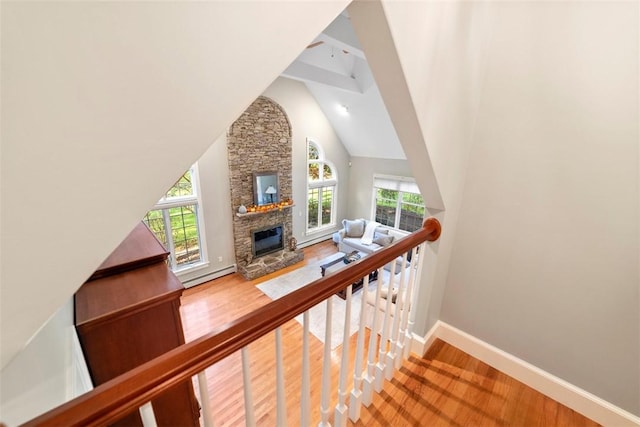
[556, 388]
[209, 276]
[316, 239]
[420, 345]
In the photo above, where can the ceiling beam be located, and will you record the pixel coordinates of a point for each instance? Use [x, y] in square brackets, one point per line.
[340, 34]
[310, 73]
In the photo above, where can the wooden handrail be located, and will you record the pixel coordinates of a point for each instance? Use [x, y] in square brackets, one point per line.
[110, 401]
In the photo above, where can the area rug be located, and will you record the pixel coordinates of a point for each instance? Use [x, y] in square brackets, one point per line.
[282, 285]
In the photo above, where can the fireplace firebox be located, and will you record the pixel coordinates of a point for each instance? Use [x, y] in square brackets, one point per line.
[267, 240]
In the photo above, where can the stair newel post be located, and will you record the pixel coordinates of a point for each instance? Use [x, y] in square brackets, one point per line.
[326, 369]
[369, 375]
[355, 402]
[404, 310]
[305, 392]
[414, 297]
[380, 366]
[341, 411]
[207, 417]
[246, 382]
[281, 399]
[392, 354]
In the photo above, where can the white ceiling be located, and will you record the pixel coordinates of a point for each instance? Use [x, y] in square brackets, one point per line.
[336, 72]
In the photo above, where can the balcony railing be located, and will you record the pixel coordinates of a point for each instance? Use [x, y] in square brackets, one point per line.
[390, 318]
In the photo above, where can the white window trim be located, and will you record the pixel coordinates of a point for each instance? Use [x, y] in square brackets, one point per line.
[332, 224]
[402, 184]
[321, 183]
[175, 202]
[178, 201]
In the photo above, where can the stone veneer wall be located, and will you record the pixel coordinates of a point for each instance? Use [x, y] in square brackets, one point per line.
[259, 141]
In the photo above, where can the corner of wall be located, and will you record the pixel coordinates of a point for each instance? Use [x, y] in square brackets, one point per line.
[580, 400]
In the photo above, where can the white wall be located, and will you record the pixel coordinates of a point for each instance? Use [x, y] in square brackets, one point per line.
[46, 374]
[443, 85]
[104, 105]
[213, 171]
[545, 261]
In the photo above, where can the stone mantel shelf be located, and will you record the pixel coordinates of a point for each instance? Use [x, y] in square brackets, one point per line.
[276, 209]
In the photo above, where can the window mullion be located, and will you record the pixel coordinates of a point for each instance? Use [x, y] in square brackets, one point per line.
[320, 193]
[176, 202]
[332, 220]
[169, 233]
[189, 225]
[318, 189]
[398, 210]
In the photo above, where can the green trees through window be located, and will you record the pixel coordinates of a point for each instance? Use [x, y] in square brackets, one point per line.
[398, 207]
[174, 221]
[321, 189]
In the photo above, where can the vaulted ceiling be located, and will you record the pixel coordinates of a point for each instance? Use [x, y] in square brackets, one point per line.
[335, 70]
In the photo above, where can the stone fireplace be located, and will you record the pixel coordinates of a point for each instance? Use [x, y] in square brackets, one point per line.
[260, 140]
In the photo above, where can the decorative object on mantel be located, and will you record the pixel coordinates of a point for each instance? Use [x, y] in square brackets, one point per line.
[262, 209]
[271, 190]
[242, 209]
[293, 244]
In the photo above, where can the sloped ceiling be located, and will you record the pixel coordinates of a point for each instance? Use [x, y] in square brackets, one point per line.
[335, 70]
[104, 105]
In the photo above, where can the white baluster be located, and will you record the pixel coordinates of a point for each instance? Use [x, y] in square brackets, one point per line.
[406, 307]
[391, 353]
[326, 368]
[250, 420]
[369, 376]
[205, 402]
[355, 402]
[147, 415]
[281, 399]
[305, 392]
[340, 414]
[380, 366]
[412, 311]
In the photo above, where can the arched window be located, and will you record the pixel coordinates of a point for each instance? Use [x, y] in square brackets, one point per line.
[322, 182]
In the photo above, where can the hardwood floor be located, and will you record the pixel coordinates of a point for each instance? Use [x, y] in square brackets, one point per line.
[446, 387]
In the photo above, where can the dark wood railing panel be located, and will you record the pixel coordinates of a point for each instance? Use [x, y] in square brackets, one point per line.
[113, 399]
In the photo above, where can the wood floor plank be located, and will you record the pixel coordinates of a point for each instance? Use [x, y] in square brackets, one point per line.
[446, 387]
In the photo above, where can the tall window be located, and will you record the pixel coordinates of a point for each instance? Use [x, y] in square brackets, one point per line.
[321, 189]
[398, 203]
[176, 222]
